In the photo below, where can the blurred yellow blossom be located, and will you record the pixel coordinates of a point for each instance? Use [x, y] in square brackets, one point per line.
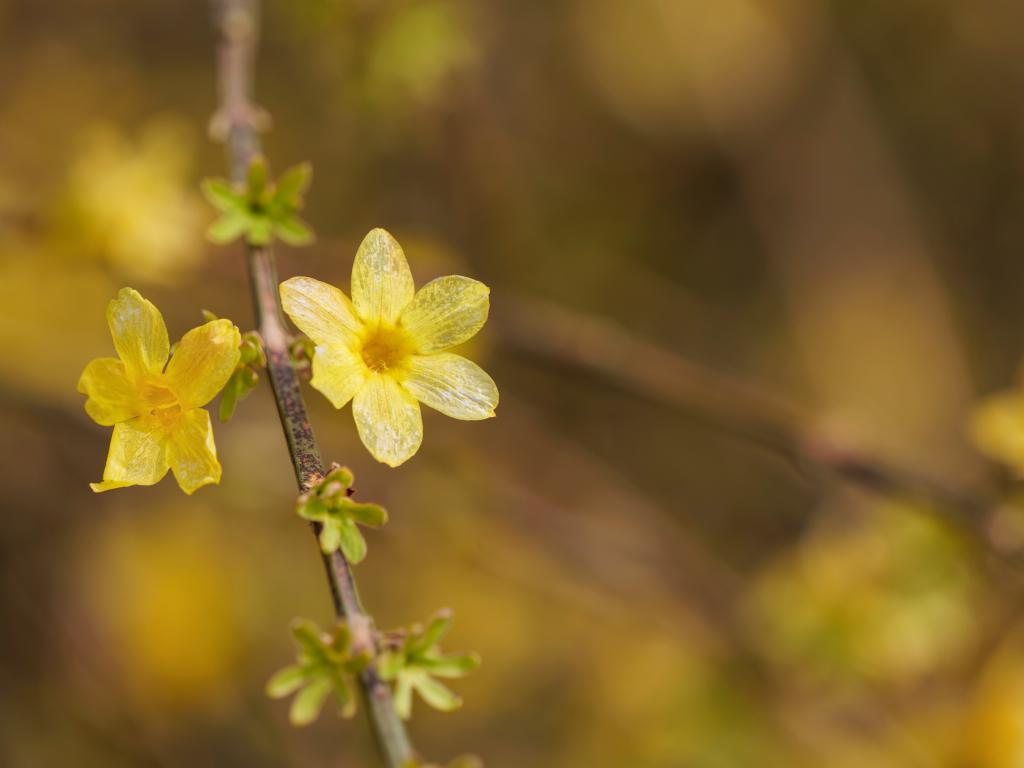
[157, 414]
[997, 428]
[162, 594]
[132, 202]
[994, 733]
[385, 349]
[888, 598]
[419, 49]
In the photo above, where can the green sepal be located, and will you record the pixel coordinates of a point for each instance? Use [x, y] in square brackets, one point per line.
[245, 376]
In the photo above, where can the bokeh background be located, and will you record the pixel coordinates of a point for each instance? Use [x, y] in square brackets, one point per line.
[819, 200]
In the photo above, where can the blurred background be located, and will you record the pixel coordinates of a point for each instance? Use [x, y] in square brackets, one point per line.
[699, 220]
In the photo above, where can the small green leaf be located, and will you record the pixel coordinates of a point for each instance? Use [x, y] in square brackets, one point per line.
[433, 634]
[260, 231]
[292, 185]
[340, 475]
[293, 231]
[313, 509]
[353, 545]
[372, 515]
[221, 195]
[330, 537]
[344, 697]
[436, 694]
[228, 227]
[228, 399]
[287, 681]
[310, 700]
[341, 643]
[389, 665]
[256, 179]
[403, 697]
[308, 636]
[456, 665]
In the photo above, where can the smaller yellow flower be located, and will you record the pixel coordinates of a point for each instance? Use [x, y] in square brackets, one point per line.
[155, 406]
[385, 349]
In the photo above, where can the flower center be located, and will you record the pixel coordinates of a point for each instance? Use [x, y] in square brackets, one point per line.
[386, 349]
[159, 400]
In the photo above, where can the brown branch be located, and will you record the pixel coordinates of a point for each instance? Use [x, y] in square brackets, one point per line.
[563, 337]
[237, 116]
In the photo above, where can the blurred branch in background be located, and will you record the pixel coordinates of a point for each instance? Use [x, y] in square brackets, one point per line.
[599, 346]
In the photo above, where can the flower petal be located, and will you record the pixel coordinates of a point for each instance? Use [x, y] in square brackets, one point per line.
[140, 336]
[381, 281]
[191, 452]
[445, 312]
[388, 419]
[112, 396]
[321, 311]
[137, 454]
[338, 373]
[203, 362]
[453, 385]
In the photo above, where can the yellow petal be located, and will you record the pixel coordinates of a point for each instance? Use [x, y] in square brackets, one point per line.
[381, 281]
[140, 336]
[192, 453]
[445, 312]
[453, 385]
[997, 428]
[137, 454]
[338, 373]
[203, 362]
[112, 397]
[388, 419]
[321, 311]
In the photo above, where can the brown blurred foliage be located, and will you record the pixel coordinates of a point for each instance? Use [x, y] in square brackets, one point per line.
[819, 198]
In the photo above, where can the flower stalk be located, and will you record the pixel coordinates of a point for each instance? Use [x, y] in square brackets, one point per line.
[236, 122]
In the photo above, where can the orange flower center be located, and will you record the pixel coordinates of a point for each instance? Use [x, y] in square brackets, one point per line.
[158, 400]
[386, 349]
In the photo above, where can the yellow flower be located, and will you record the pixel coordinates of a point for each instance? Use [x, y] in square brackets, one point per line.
[384, 349]
[155, 406]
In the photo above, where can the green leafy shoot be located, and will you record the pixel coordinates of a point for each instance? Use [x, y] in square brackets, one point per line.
[413, 660]
[246, 376]
[329, 503]
[261, 210]
[325, 666]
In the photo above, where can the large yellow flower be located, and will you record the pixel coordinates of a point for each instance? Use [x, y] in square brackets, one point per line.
[155, 406]
[385, 349]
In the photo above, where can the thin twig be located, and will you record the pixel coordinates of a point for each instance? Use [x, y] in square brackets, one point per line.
[238, 21]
